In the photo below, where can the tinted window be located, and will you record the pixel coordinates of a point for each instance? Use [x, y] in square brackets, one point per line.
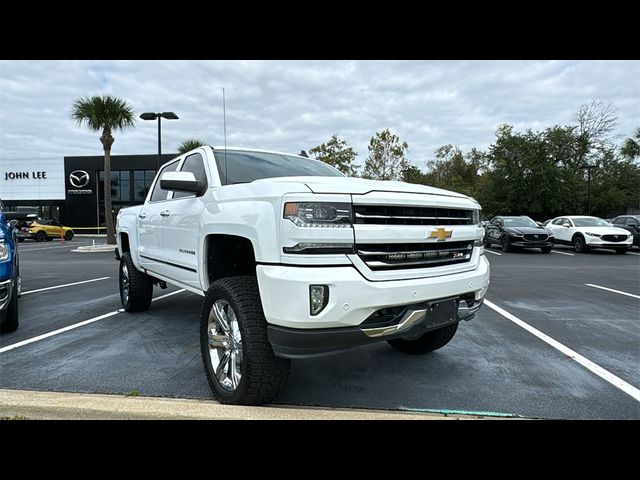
[157, 193]
[618, 220]
[632, 221]
[245, 167]
[194, 164]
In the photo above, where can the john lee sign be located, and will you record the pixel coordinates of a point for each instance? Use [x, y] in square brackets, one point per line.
[32, 179]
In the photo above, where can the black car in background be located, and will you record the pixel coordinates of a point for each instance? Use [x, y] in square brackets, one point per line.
[631, 223]
[510, 232]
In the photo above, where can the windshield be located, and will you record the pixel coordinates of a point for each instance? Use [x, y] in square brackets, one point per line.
[519, 222]
[590, 222]
[245, 167]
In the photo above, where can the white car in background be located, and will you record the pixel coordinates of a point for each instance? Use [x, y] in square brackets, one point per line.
[589, 232]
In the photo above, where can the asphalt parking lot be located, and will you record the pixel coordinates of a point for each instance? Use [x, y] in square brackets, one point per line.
[556, 345]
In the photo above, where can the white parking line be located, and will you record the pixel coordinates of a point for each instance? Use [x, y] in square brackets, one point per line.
[75, 325]
[489, 251]
[563, 253]
[37, 249]
[597, 369]
[612, 290]
[65, 285]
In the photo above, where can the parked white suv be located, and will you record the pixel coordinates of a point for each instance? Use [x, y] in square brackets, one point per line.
[296, 260]
[589, 232]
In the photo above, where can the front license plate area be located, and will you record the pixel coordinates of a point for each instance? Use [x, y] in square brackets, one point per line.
[441, 313]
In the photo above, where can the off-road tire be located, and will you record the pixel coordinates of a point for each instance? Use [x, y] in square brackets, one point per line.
[10, 323]
[262, 373]
[428, 342]
[140, 286]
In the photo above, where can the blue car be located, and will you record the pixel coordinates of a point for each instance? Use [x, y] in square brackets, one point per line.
[9, 276]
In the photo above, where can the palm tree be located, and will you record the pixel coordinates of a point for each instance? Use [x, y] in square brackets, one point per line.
[190, 144]
[631, 146]
[106, 114]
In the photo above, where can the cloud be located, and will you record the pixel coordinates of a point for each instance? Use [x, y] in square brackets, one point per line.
[294, 105]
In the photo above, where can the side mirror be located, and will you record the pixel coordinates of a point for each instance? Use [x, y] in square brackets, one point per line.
[181, 182]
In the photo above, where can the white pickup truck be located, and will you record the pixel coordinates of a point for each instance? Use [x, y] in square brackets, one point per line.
[296, 260]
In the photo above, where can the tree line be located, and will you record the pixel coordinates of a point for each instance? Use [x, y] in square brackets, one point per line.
[541, 173]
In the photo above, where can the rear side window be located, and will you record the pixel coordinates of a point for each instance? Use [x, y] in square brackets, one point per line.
[158, 194]
[194, 164]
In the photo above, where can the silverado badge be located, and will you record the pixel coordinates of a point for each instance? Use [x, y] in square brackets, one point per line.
[440, 234]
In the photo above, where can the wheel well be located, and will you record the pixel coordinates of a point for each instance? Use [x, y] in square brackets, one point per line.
[577, 234]
[228, 256]
[124, 242]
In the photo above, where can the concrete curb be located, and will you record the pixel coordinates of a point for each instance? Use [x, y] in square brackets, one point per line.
[82, 406]
[95, 248]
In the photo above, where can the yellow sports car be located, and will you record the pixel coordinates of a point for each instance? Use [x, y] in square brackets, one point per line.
[47, 229]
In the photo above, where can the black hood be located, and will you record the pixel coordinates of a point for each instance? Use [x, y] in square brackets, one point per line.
[527, 230]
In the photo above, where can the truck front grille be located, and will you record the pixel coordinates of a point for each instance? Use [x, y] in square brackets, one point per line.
[391, 215]
[414, 255]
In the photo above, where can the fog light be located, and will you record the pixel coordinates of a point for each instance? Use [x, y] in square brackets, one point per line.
[318, 298]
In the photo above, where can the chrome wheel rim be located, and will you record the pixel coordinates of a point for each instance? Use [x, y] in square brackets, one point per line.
[124, 283]
[225, 345]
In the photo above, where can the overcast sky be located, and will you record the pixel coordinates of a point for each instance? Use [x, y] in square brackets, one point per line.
[294, 105]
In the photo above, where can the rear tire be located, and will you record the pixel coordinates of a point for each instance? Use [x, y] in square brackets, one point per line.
[68, 235]
[428, 342]
[10, 323]
[579, 244]
[546, 249]
[240, 366]
[41, 237]
[621, 251]
[136, 287]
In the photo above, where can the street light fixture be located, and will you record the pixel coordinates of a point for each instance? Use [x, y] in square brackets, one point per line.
[588, 168]
[159, 116]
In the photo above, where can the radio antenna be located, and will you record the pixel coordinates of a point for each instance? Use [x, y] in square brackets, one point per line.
[224, 123]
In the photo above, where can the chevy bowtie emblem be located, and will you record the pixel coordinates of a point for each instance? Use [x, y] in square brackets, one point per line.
[440, 234]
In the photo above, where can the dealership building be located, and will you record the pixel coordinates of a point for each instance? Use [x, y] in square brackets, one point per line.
[70, 189]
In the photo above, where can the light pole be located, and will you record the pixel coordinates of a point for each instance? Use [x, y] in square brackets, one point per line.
[159, 116]
[588, 168]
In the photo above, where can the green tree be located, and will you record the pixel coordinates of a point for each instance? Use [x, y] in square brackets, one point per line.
[104, 114]
[631, 146]
[453, 170]
[190, 144]
[386, 159]
[337, 154]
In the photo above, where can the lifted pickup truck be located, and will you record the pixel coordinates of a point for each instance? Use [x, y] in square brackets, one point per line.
[295, 260]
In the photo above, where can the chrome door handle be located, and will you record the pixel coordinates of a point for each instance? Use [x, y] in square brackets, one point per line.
[142, 215]
[165, 213]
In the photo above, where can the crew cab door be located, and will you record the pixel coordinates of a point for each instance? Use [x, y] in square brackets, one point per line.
[180, 234]
[150, 222]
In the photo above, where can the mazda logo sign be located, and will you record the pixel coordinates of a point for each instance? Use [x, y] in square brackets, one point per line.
[79, 178]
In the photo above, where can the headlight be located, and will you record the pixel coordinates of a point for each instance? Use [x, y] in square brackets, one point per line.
[319, 215]
[514, 234]
[593, 234]
[475, 217]
[4, 251]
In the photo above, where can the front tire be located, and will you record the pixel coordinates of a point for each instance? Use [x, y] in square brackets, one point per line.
[546, 249]
[505, 243]
[41, 237]
[238, 360]
[579, 244]
[136, 287]
[428, 342]
[486, 242]
[10, 323]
